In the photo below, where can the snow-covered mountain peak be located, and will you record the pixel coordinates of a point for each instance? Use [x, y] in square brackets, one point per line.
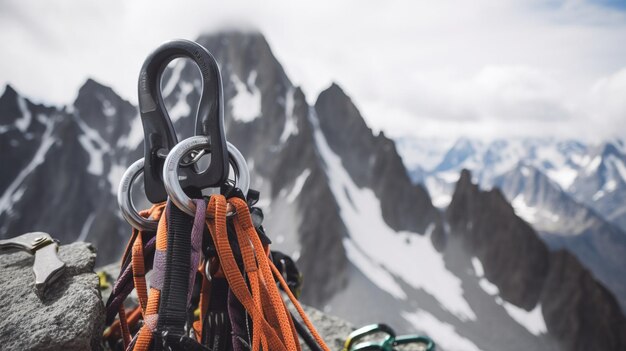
[612, 149]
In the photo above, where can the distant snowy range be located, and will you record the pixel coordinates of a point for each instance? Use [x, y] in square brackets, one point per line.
[572, 192]
[593, 175]
[506, 245]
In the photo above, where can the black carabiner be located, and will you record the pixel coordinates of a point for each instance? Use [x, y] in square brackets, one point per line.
[159, 133]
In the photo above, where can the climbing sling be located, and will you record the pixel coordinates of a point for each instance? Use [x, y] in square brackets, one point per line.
[272, 327]
[213, 284]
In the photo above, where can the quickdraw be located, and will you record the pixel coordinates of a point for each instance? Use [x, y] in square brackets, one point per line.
[213, 284]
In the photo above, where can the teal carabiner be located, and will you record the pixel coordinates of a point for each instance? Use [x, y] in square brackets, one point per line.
[423, 343]
[389, 343]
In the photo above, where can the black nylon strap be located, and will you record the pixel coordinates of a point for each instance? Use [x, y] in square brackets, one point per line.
[173, 300]
[184, 343]
[216, 333]
[304, 334]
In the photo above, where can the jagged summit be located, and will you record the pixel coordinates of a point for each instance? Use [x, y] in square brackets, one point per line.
[92, 87]
[611, 149]
[465, 178]
[335, 88]
[342, 121]
[103, 110]
[9, 106]
[15, 112]
[9, 92]
[241, 52]
[236, 38]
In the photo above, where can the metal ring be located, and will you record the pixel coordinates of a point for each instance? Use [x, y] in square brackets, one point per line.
[125, 201]
[170, 171]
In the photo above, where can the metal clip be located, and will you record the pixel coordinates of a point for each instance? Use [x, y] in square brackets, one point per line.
[47, 267]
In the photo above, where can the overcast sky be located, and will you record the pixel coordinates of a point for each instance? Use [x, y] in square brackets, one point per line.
[445, 68]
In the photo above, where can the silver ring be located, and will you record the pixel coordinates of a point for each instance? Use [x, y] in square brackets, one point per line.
[170, 171]
[207, 270]
[125, 201]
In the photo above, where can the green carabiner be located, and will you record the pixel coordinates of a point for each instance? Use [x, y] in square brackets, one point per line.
[369, 330]
[425, 343]
[389, 343]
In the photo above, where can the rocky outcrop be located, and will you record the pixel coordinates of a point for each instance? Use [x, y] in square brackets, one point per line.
[579, 312]
[71, 314]
[69, 317]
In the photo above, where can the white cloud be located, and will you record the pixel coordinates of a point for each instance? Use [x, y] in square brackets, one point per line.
[607, 103]
[481, 68]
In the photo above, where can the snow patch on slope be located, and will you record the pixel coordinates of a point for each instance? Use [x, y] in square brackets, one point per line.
[114, 176]
[593, 165]
[531, 320]
[564, 177]
[23, 122]
[174, 78]
[528, 213]
[84, 231]
[444, 333]
[135, 135]
[620, 166]
[291, 128]
[298, 184]
[598, 195]
[485, 284]
[397, 254]
[440, 188]
[181, 108]
[95, 146]
[532, 214]
[13, 191]
[246, 105]
[107, 107]
[375, 272]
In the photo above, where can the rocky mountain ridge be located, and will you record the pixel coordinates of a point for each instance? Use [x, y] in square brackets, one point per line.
[567, 190]
[526, 276]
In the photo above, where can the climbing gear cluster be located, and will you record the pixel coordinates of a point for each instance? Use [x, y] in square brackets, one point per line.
[201, 266]
[381, 337]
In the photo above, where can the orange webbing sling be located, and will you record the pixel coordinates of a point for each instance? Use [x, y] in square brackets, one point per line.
[152, 304]
[272, 326]
[135, 253]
